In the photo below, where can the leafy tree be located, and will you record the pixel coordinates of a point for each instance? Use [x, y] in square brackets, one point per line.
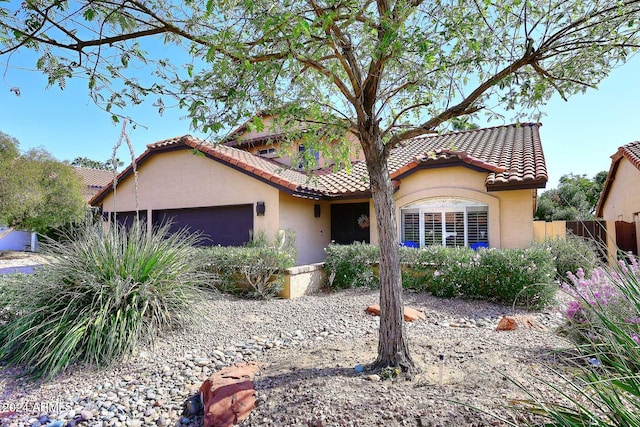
[463, 123]
[37, 192]
[9, 148]
[86, 162]
[575, 198]
[387, 70]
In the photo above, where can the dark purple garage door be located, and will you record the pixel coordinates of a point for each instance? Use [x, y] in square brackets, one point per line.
[220, 225]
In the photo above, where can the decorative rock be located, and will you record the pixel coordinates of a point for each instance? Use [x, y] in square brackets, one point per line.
[193, 405]
[410, 314]
[229, 395]
[507, 323]
[373, 309]
[373, 377]
[527, 322]
[86, 415]
[202, 362]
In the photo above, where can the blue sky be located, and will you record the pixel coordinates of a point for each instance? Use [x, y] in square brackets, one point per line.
[578, 136]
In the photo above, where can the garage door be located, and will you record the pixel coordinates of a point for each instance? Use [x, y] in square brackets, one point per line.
[220, 225]
[125, 219]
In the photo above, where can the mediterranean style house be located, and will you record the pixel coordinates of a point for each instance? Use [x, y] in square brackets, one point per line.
[620, 198]
[469, 188]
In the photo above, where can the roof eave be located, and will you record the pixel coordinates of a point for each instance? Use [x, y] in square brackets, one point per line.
[611, 176]
[413, 167]
[518, 185]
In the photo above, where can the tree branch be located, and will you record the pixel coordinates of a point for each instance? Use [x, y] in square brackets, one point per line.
[403, 111]
[464, 107]
[345, 54]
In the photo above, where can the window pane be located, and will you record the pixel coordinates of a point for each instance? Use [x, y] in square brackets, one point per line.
[433, 229]
[454, 229]
[477, 227]
[411, 228]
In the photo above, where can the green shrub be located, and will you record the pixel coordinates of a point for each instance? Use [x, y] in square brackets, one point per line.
[514, 276]
[352, 265]
[519, 276]
[570, 254]
[103, 292]
[255, 270]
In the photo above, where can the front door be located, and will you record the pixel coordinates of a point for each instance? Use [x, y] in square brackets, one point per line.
[350, 223]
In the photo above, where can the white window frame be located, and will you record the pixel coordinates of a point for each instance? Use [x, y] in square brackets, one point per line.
[442, 206]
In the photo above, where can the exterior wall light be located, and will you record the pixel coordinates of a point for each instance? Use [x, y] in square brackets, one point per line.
[316, 211]
[260, 208]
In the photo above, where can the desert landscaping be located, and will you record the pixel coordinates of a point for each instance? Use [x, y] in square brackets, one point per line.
[309, 350]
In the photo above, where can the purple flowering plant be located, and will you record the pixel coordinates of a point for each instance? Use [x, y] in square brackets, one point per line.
[611, 294]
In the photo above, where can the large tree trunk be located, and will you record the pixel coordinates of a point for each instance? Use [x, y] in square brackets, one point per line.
[393, 348]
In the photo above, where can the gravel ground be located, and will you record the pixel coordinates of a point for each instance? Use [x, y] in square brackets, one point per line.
[309, 348]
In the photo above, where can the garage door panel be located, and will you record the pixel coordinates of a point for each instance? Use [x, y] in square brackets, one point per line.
[220, 225]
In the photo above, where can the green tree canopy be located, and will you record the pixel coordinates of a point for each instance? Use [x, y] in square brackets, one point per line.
[386, 70]
[575, 198]
[37, 192]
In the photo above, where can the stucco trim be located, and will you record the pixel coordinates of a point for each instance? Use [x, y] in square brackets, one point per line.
[435, 164]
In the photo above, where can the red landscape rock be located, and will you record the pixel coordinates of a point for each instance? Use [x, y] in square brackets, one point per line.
[229, 395]
[410, 314]
[373, 309]
[507, 323]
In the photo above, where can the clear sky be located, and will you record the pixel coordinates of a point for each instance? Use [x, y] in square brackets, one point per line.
[578, 136]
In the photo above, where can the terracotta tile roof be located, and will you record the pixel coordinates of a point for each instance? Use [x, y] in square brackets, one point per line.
[512, 156]
[94, 180]
[631, 152]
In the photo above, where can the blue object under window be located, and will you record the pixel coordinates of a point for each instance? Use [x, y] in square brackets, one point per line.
[410, 244]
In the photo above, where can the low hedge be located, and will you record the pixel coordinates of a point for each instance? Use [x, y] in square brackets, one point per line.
[255, 270]
[350, 266]
[522, 277]
[571, 253]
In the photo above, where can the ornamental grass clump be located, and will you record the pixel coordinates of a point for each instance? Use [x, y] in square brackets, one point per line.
[104, 292]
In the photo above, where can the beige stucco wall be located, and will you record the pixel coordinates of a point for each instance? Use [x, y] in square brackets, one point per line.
[180, 179]
[623, 200]
[312, 234]
[510, 212]
[624, 197]
[549, 230]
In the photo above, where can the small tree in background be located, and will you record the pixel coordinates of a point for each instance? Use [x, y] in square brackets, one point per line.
[384, 70]
[37, 192]
[575, 198]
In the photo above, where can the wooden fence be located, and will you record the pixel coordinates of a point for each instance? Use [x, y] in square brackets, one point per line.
[603, 233]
